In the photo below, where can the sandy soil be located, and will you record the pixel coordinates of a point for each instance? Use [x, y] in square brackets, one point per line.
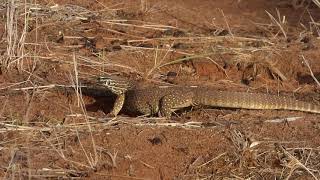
[252, 45]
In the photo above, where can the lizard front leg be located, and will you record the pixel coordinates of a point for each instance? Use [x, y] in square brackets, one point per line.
[118, 104]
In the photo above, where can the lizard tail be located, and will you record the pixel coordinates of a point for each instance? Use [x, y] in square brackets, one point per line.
[254, 101]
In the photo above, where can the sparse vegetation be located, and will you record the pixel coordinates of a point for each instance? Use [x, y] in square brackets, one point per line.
[270, 47]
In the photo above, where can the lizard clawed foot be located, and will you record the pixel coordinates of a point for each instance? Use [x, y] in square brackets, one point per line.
[111, 115]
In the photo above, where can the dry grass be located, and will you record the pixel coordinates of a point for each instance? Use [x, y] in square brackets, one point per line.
[71, 144]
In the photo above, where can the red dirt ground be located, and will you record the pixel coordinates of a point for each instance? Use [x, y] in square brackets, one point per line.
[52, 134]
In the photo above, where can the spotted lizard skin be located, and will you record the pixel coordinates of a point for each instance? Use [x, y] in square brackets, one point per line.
[163, 101]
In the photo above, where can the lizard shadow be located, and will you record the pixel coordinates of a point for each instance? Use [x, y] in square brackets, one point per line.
[105, 104]
[103, 99]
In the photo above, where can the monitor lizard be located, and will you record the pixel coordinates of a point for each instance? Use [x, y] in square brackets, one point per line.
[163, 101]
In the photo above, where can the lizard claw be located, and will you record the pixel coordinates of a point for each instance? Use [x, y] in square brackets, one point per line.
[110, 115]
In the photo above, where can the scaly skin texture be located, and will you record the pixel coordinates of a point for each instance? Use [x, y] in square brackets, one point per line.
[163, 101]
[151, 101]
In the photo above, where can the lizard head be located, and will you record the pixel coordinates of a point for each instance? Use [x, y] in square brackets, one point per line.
[115, 84]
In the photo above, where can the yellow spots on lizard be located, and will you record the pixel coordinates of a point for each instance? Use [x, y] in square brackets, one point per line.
[165, 100]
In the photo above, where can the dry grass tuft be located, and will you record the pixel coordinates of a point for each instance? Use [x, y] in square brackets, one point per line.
[74, 144]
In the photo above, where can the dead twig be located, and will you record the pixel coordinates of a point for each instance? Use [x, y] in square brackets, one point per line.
[292, 162]
[311, 72]
[280, 22]
[280, 120]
